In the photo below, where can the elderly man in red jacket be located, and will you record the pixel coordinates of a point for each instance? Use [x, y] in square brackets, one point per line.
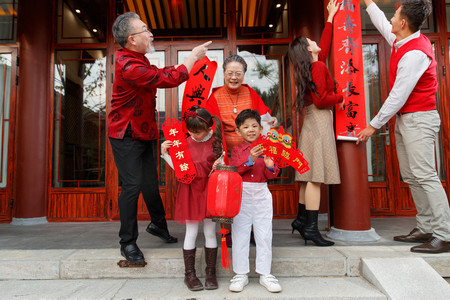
[132, 128]
[412, 79]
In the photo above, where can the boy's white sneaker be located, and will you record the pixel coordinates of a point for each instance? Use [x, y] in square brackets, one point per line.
[238, 282]
[270, 283]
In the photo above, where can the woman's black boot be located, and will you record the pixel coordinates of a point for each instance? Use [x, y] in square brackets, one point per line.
[299, 223]
[311, 231]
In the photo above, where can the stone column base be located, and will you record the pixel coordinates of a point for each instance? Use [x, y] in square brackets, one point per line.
[353, 235]
[29, 221]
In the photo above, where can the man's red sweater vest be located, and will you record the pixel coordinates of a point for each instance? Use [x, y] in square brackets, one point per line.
[423, 96]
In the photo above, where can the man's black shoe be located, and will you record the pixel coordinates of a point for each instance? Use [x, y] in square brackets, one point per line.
[161, 233]
[132, 253]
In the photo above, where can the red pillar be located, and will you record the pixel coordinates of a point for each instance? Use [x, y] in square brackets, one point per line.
[32, 138]
[351, 200]
[351, 205]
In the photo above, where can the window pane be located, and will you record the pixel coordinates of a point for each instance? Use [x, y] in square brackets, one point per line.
[79, 119]
[5, 92]
[8, 21]
[439, 149]
[262, 19]
[388, 7]
[81, 21]
[158, 59]
[266, 73]
[447, 12]
[375, 146]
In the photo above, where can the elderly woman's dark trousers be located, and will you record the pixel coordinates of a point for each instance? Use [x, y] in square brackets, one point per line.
[138, 173]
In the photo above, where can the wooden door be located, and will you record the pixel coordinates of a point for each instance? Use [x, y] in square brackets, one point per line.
[390, 196]
[8, 58]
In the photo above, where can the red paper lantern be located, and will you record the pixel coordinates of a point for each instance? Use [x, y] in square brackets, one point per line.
[224, 201]
[224, 194]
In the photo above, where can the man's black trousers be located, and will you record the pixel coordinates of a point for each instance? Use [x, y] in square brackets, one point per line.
[138, 173]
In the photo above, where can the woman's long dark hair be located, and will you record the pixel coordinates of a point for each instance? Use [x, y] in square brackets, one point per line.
[203, 122]
[301, 59]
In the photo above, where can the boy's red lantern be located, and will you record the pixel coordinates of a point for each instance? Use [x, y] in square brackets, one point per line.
[224, 200]
[224, 194]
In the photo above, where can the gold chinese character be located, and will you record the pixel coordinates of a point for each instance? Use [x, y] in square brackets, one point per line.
[285, 154]
[273, 149]
[296, 160]
[179, 154]
[184, 167]
[173, 131]
[176, 143]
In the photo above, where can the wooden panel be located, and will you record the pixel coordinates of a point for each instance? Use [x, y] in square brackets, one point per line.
[142, 208]
[143, 214]
[77, 205]
[379, 204]
[404, 203]
[4, 207]
[285, 201]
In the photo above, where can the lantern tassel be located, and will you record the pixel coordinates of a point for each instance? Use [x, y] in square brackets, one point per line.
[226, 258]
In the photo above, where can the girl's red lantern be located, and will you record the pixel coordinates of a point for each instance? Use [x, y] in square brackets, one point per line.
[224, 200]
[224, 194]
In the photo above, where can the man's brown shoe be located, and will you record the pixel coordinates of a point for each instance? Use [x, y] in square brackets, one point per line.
[415, 236]
[434, 245]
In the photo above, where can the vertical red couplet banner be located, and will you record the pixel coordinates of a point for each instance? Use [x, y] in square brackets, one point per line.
[349, 70]
[198, 86]
[181, 157]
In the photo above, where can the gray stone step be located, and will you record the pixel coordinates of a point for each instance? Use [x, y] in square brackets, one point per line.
[290, 262]
[405, 278]
[324, 288]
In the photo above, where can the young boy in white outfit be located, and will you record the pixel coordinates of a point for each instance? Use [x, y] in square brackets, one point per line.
[256, 206]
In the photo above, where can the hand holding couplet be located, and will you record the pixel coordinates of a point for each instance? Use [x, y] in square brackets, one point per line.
[255, 152]
[165, 147]
[365, 134]
[332, 8]
[268, 161]
[273, 122]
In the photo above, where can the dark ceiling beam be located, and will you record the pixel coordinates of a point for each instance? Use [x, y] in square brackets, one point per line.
[214, 19]
[197, 13]
[247, 12]
[189, 16]
[258, 12]
[167, 15]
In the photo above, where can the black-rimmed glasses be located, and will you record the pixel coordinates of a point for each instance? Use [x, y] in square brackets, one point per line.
[146, 30]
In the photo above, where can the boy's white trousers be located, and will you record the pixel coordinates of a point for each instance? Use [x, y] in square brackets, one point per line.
[256, 210]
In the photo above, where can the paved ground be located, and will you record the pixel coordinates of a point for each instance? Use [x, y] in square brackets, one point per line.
[173, 289]
[47, 242]
[99, 235]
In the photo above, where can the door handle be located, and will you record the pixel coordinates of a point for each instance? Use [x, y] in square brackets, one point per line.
[386, 134]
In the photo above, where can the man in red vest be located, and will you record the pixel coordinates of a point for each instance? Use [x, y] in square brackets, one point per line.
[412, 79]
[132, 127]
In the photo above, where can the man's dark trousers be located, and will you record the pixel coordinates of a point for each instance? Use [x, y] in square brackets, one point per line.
[138, 173]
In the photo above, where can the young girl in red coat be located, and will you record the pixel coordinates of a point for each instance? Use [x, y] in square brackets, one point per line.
[316, 96]
[205, 146]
